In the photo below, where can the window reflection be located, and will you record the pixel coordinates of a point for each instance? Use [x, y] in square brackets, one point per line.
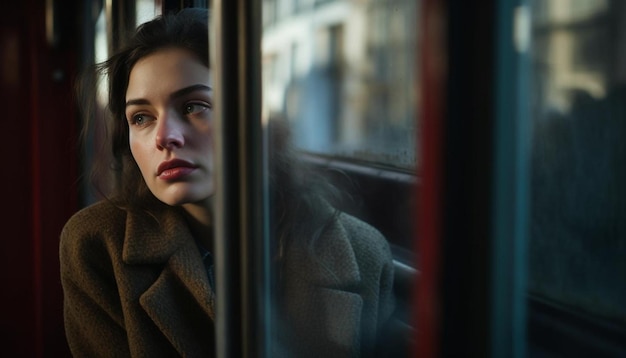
[342, 72]
[339, 83]
[578, 233]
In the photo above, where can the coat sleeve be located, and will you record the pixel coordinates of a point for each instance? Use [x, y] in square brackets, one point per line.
[389, 337]
[94, 323]
[375, 261]
[386, 302]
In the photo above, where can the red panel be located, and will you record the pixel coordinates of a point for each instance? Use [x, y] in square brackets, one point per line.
[432, 74]
[39, 171]
[57, 133]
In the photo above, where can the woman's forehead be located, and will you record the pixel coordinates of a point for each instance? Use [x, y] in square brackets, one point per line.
[166, 70]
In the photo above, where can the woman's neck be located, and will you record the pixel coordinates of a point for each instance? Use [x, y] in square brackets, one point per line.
[200, 220]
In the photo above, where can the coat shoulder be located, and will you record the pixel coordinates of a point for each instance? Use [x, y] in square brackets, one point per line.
[93, 226]
[100, 216]
[367, 242]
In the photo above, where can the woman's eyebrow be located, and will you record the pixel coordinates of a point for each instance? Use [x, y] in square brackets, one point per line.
[183, 91]
[179, 93]
[138, 101]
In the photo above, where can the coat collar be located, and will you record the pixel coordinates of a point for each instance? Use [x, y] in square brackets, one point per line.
[323, 303]
[323, 271]
[327, 258]
[152, 237]
[163, 237]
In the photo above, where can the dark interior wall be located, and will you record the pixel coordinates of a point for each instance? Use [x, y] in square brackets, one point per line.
[39, 169]
[17, 246]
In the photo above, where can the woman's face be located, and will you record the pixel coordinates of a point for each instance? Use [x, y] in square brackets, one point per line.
[169, 112]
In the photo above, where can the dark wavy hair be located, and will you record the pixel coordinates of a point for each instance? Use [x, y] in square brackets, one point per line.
[187, 29]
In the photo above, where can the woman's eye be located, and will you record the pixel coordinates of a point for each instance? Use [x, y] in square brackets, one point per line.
[194, 108]
[139, 119]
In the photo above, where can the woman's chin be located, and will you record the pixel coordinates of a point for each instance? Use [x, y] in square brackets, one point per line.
[182, 198]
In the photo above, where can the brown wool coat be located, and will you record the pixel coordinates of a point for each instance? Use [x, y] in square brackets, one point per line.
[134, 285]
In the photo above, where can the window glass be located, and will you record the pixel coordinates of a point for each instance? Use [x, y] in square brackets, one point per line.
[578, 232]
[339, 100]
[343, 74]
[146, 10]
[94, 147]
[103, 30]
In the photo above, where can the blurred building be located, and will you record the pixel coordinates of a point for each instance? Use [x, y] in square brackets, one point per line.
[343, 72]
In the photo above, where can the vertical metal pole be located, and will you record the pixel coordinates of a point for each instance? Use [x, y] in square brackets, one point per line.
[120, 18]
[241, 238]
[511, 182]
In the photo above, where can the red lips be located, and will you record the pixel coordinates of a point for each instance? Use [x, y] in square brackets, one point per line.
[174, 169]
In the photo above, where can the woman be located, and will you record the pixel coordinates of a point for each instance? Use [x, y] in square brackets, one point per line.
[136, 267]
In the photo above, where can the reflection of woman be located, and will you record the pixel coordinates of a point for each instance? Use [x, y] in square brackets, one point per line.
[136, 268]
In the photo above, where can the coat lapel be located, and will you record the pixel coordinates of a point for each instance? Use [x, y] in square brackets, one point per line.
[323, 304]
[180, 301]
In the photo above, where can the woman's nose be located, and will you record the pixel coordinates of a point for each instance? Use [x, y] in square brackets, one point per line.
[170, 132]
